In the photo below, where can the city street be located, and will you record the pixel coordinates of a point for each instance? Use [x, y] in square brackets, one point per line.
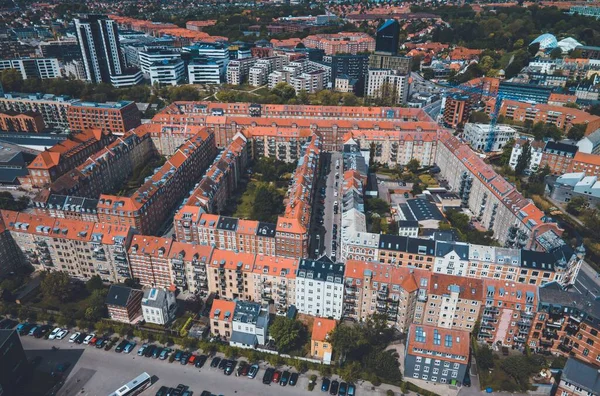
[331, 217]
[98, 372]
[587, 281]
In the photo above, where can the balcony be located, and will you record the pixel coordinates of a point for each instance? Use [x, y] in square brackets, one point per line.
[571, 329]
[565, 348]
[546, 343]
[350, 290]
[524, 322]
[120, 257]
[555, 324]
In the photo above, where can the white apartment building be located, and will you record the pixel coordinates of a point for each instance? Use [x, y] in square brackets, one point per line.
[215, 52]
[259, 73]
[277, 77]
[310, 82]
[238, 70]
[385, 82]
[320, 288]
[150, 56]
[250, 325]
[537, 149]
[41, 68]
[74, 69]
[204, 71]
[159, 306]
[128, 79]
[167, 72]
[478, 136]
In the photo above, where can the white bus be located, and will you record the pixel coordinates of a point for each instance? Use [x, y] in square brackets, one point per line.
[135, 386]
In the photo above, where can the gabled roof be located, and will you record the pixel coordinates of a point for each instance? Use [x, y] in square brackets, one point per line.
[118, 295]
[321, 328]
[582, 375]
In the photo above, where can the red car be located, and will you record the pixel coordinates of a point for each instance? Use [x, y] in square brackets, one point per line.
[93, 341]
[192, 359]
[276, 376]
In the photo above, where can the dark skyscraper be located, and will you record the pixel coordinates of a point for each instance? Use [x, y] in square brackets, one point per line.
[387, 37]
[98, 40]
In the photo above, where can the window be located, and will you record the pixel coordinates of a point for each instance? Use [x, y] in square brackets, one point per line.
[456, 365]
[443, 380]
[437, 337]
[417, 367]
[426, 369]
[425, 377]
[420, 335]
[448, 341]
[454, 374]
[415, 375]
[436, 370]
[419, 358]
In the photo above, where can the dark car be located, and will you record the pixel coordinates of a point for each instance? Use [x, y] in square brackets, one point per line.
[184, 358]
[122, 344]
[242, 370]
[200, 360]
[229, 367]
[178, 355]
[293, 379]
[162, 391]
[24, 328]
[333, 390]
[343, 389]
[180, 389]
[149, 351]
[79, 340]
[325, 384]
[156, 353]
[101, 343]
[223, 364]
[215, 362]
[253, 371]
[285, 377]
[351, 390]
[268, 377]
[41, 331]
[205, 393]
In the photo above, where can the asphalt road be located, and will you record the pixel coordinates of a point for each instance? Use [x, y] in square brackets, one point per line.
[96, 372]
[587, 281]
[330, 217]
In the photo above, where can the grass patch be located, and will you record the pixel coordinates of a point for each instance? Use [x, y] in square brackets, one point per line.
[139, 175]
[428, 180]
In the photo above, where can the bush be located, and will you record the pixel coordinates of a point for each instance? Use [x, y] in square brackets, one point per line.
[172, 357]
[389, 392]
[311, 386]
[313, 378]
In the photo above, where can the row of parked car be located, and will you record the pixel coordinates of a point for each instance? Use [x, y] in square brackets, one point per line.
[336, 388]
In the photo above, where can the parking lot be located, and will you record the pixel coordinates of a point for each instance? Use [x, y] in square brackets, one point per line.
[94, 371]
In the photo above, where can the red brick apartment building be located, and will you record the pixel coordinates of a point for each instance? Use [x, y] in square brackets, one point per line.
[149, 260]
[21, 122]
[343, 42]
[149, 207]
[117, 117]
[124, 304]
[457, 109]
[64, 156]
[566, 324]
[588, 163]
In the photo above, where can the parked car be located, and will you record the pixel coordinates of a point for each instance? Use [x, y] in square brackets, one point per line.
[293, 379]
[101, 343]
[285, 377]
[229, 367]
[164, 353]
[119, 348]
[192, 359]
[351, 390]
[87, 339]
[200, 360]
[93, 341]
[253, 371]
[81, 338]
[242, 370]
[215, 362]
[42, 331]
[335, 385]
[32, 330]
[178, 355]
[74, 336]
[184, 358]
[22, 328]
[62, 334]
[268, 377]
[156, 353]
[325, 384]
[223, 364]
[343, 389]
[129, 347]
[276, 376]
[53, 334]
[162, 391]
[148, 352]
[142, 349]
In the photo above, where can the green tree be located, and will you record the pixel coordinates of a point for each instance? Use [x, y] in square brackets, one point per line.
[184, 93]
[479, 117]
[57, 285]
[94, 283]
[524, 158]
[8, 202]
[556, 53]
[284, 91]
[378, 205]
[12, 81]
[506, 152]
[289, 334]
[485, 357]
[268, 203]
[96, 309]
[576, 205]
[376, 225]
[413, 165]
[577, 132]
[351, 371]
[393, 227]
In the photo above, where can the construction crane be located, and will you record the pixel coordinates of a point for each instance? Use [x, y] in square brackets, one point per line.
[493, 116]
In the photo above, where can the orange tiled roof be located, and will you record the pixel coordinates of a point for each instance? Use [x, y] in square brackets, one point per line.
[222, 306]
[274, 266]
[191, 251]
[589, 159]
[231, 260]
[510, 291]
[460, 342]
[150, 245]
[109, 232]
[470, 288]
[321, 329]
[386, 273]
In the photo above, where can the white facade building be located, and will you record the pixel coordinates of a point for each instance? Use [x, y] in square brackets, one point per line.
[152, 55]
[204, 71]
[477, 136]
[74, 69]
[167, 72]
[537, 149]
[320, 288]
[238, 70]
[159, 306]
[42, 68]
[250, 325]
[259, 73]
[129, 79]
[384, 82]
